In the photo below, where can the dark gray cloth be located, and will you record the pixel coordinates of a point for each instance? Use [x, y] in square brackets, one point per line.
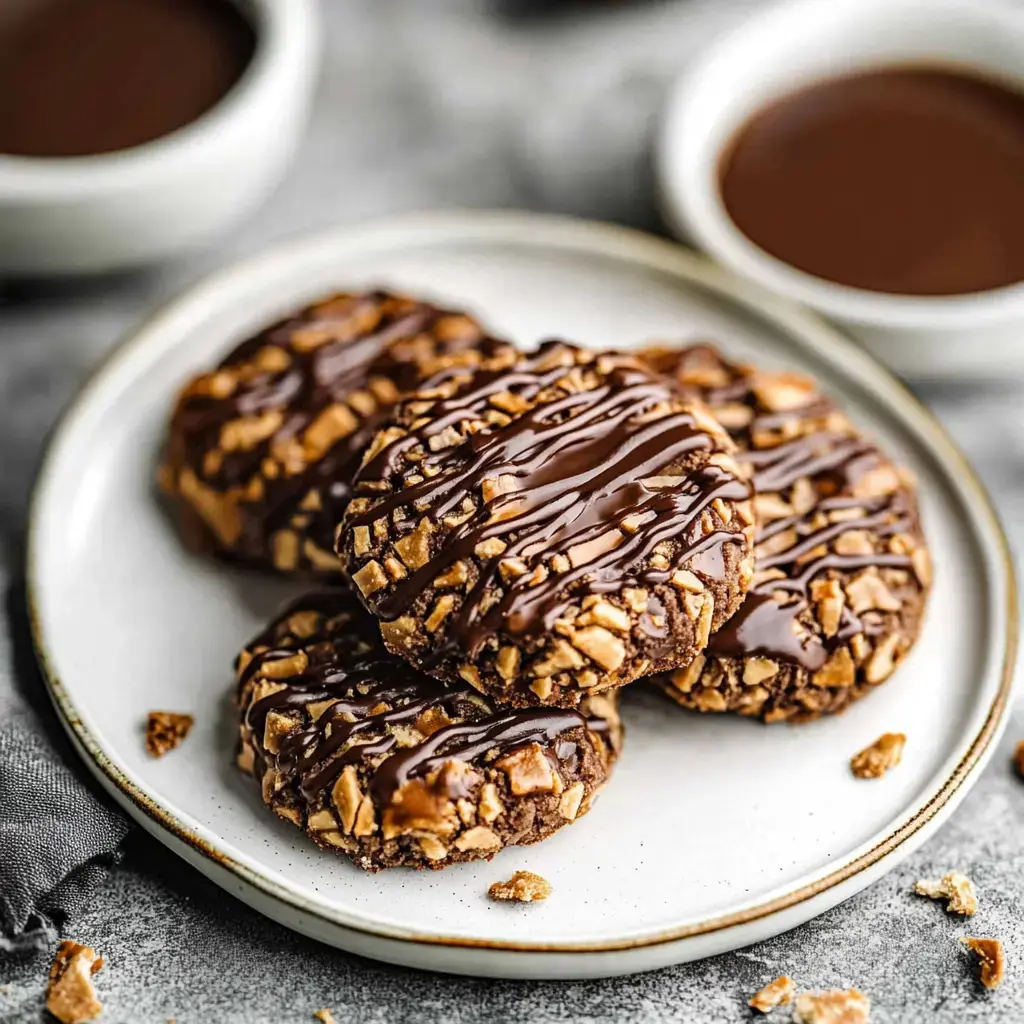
[57, 835]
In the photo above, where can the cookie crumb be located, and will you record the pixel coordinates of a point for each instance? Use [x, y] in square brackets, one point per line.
[954, 887]
[165, 730]
[1018, 759]
[523, 886]
[835, 1007]
[874, 761]
[70, 995]
[990, 958]
[775, 993]
[325, 1017]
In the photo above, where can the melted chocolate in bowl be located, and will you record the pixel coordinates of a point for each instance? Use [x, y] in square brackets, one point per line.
[903, 180]
[82, 77]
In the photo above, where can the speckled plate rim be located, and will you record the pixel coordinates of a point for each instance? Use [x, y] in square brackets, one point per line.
[479, 956]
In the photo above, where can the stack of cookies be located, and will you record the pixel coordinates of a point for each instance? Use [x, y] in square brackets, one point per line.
[503, 540]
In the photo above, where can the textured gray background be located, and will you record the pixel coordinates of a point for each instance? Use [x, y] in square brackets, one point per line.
[429, 103]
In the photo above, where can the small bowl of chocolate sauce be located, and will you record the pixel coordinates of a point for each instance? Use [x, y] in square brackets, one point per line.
[866, 158]
[135, 130]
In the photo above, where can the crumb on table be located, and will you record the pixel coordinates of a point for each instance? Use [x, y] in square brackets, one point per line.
[165, 730]
[835, 1007]
[70, 994]
[874, 761]
[992, 964]
[523, 886]
[954, 887]
[1018, 758]
[775, 993]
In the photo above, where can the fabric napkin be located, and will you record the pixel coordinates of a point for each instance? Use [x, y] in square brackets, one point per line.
[57, 836]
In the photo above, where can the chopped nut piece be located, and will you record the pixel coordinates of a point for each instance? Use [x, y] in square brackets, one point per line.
[991, 960]
[165, 730]
[325, 1017]
[70, 995]
[569, 804]
[775, 993]
[523, 886]
[529, 771]
[954, 887]
[601, 646]
[874, 761]
[836, 1007]
[490, 806]
[480, 837]
[371, 578]
[757, 670]
[1018, 758]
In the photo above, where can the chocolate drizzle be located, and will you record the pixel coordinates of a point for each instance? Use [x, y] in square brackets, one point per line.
[354, 339]
[587, 471]
[835, 460]
[766, 627]
[375, 694]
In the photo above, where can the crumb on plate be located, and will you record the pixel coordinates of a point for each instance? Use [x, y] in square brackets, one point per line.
[165, 730]
[523, 886]
[874, 761]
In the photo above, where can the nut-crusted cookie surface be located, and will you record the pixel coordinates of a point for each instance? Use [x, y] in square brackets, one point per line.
[262, 450]
[842, 568]
[390, 767]
[551, 529]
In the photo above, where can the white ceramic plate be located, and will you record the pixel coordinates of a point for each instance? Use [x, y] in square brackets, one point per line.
[716, 831]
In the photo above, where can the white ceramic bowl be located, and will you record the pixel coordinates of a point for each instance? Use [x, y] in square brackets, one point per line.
[73, 215]
[979, 335]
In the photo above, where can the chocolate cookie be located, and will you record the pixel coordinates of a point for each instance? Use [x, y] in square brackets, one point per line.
[390, 767]
[550, 530]
[843, 570]
[262, 450]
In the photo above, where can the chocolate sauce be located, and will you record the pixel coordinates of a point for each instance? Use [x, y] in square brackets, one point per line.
[81, 77]
[902, 180]
[373, 693]
[581, 464]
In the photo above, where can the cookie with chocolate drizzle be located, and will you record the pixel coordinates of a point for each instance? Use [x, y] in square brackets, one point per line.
[262, 450]
[549, 530]
[842, 567]
[391, 767]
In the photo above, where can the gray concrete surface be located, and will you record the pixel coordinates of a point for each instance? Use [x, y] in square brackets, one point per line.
[432, 103]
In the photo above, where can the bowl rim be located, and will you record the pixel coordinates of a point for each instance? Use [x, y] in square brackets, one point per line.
[691, 201]
[284, 38]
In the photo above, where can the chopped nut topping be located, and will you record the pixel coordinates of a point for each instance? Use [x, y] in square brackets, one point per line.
[480, 837]
[70, 995]
[529, 771]
[490, 805]
[991, 961]
[955, 888]
[523, 886]
[569, 804]
[601, 646]
[325, 1017]
[165, 730]
[874, 761]
[776, 993]
[836, 1007]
